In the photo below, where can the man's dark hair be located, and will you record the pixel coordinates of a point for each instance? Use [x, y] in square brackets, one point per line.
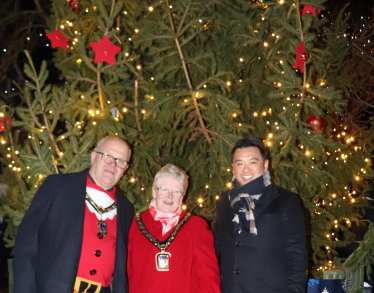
[250, 142]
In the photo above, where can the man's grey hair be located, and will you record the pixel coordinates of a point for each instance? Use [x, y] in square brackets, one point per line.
[173, 171]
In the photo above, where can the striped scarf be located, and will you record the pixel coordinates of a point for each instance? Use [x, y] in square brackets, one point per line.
[243, 201]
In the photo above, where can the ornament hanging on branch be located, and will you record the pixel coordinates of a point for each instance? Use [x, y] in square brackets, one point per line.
[301, 56]
[2, 123]
[74, 5]
[316, 124]
[105, 51]
[310, 9]
[58, 40]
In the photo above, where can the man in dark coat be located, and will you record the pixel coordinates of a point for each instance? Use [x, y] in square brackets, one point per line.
[260, 236]
[74, 235]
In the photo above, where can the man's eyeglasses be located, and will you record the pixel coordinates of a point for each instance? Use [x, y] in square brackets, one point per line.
[108, 159]
[164, 191]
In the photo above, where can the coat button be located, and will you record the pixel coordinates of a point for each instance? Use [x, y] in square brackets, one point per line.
[237, 243]
[236, 271]
[97, 253]
[100, 235]
[92, 272]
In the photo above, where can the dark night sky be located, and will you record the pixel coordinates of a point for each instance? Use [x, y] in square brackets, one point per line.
[356, 7]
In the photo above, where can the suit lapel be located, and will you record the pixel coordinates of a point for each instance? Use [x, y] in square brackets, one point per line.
[120, 216]
[229, 212]
[79, 189]
[270, 194]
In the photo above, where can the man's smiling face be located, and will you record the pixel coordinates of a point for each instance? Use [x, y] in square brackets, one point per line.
[248, 164]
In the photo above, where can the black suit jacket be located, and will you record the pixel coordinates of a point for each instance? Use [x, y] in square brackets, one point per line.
[49, 239]
[274, 260]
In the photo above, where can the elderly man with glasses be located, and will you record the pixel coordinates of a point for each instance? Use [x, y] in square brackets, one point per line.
[74, 235]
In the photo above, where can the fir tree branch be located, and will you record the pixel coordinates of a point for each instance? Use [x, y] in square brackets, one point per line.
[81, 79]
[302, 39]
[32, 112]
[99, 87]
[137, 112]
[67, 169]
[187, 75]
[57, 114]
[304, 71]
[158, 104]
[49, 131]
[112, 8]
[220, 136]
[41, 11]
[40, 157]
[54, 164]
[33, 70]
[183, 18]
[212, 77]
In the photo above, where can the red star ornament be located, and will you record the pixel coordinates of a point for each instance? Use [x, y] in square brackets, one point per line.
[105, 51]
[310, 9]
[2, 123]
[301, 56]
[58, 40]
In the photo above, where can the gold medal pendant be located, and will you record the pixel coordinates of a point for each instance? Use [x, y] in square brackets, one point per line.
[162, 258]
[103, 228]
[163, 261]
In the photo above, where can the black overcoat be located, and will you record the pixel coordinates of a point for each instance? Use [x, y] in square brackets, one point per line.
[274, 260]
[49, 239]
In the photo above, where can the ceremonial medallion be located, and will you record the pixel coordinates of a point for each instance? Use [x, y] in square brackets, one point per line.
[162, 258]
[103, 228]
[163, 261]
[101, 225]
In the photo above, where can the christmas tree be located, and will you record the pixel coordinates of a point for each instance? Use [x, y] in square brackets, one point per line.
[182, 81]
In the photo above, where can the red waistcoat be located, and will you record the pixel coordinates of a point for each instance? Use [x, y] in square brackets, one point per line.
[98, 255]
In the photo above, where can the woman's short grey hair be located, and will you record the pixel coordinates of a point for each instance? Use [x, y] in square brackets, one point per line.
[171, 170]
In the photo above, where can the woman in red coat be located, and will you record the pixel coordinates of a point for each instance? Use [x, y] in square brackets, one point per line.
[169, 250]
